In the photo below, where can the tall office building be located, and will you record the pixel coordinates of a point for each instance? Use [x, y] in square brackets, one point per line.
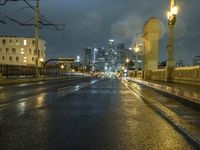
[112, 55]
[122, 54]
[87, 52]
[102, 59]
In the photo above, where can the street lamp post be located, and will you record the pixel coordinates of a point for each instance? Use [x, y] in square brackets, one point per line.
[42, 64]
[127, 62]
[62, 69]
[171, 16]
[136, 57]
[136, 49]
[37, 38]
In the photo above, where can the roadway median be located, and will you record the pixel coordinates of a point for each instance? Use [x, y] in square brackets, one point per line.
[5, 81]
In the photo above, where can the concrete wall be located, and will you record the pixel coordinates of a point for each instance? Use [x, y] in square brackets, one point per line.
[187, 75]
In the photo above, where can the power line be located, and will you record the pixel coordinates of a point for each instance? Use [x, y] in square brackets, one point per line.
[5, 1]
[48, 23]
[42, 21]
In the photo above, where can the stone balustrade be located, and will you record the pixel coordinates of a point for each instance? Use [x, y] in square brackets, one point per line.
[189, 94]
[187, 75]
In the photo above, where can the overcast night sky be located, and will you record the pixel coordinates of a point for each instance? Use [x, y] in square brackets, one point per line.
[93, 22]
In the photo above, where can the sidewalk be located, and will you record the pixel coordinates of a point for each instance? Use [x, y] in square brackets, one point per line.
[188, 92]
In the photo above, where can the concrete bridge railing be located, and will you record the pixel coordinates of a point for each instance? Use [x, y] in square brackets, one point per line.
[187, 75]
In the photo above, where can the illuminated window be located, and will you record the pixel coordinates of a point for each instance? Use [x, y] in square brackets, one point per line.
[25, 60]
[25, 42]
[22, 51]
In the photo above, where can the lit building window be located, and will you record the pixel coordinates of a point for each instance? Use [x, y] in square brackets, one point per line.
[25, 42]
[25, 60]
[22, 51]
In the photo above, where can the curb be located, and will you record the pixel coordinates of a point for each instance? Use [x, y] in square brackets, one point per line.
[167, 115]
[188, 131]
[190, 96]
[5, 82]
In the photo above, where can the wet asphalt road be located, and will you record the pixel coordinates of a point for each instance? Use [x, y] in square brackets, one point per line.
[102, 116]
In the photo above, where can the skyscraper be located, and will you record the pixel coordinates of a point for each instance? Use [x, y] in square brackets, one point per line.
[122, 54]
[196, 61]
[111, 55]
[87, 57]
[101, 59]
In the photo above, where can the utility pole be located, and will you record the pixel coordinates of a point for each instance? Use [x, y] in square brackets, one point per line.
[37, 38]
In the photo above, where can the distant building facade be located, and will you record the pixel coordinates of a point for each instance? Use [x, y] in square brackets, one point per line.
[112, 56]
[101, 59]
[87, 55]
[196, 61]
[20, 51]
[180, 63]
[122, 55]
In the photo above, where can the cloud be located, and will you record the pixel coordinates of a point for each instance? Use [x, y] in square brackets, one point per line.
[92, 21]
[180, 29]
[127, 28]
[163, 29]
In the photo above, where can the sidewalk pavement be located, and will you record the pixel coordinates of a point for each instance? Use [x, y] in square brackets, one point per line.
[188, 92]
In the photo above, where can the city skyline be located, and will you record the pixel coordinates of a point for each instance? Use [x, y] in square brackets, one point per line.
[93, 26]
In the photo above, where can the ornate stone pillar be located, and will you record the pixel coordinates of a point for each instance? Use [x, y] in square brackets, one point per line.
[150, 46]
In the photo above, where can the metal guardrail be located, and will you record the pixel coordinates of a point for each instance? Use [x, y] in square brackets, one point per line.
[16, 70]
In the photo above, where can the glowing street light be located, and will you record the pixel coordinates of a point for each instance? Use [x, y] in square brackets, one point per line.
[136, 49]
[41, 60]
[127, 60]
[42, 63]
[62, 66]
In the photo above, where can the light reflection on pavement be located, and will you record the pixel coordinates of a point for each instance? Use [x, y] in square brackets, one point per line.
[17, 107]
[102, 116]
